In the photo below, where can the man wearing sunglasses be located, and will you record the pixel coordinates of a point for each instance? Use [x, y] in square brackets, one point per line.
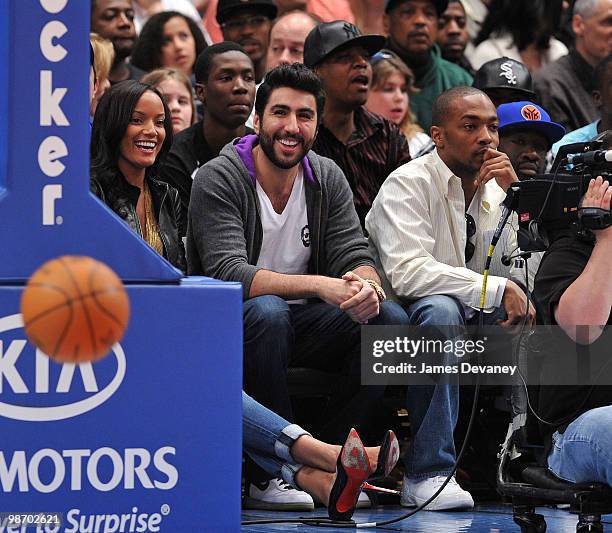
[248, 23]
[431, 225]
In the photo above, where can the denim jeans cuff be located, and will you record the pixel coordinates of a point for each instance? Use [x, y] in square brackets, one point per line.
[288, 472]
[282, 446]
[426, 475]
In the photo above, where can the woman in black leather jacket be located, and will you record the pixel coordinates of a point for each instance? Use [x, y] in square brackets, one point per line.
[132, 132]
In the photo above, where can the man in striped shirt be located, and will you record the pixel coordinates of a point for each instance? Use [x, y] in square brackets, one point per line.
[367, 147]
[429, 225]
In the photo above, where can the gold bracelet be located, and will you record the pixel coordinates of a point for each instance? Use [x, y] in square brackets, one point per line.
[379, 290]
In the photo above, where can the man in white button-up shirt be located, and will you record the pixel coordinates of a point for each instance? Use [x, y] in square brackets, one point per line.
[418, 227]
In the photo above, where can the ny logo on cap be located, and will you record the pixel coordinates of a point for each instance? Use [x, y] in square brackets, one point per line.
[530, 112]
[351, 30]
[507, 72]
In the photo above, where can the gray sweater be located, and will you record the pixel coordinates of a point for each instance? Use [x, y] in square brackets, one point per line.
[224, 233]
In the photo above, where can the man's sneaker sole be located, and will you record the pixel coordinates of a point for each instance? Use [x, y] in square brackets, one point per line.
[259, 505]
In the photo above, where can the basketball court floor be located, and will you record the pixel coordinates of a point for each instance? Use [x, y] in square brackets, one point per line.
[485, 518]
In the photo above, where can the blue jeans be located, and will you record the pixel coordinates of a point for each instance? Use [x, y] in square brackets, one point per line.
[318, 335]
[583, 452]
[278, 335]
[433, 410]
[267, 438]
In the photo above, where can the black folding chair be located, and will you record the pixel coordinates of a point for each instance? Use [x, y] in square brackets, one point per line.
[522, 477]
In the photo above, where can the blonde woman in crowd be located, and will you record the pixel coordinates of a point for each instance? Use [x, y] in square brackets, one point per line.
[104, 55]
[176, 88]
[389, 96]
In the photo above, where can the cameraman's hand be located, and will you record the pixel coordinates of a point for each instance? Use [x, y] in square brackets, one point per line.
[514, 303]
[599, 194]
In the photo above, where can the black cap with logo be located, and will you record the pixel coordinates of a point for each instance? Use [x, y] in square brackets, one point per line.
[226, 7]
[330, 36]
[505, 73]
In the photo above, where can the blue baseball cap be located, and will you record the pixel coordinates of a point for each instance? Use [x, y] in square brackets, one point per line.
[528, 116]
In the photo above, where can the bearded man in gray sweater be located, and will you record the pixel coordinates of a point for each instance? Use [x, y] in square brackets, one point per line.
[273, 215]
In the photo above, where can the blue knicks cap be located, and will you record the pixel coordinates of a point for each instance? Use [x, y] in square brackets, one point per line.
[528, 116]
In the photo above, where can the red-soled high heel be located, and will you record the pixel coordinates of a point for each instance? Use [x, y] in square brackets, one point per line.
[387, 457]
[352, 469]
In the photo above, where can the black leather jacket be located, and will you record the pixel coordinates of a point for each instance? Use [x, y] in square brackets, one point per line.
[168, 211]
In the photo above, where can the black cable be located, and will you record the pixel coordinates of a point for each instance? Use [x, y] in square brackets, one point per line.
[517, 346]
[550, 188]
[507, 259]
[328, 522]
[494, 241]
[452, 473]
[320, 522]
[564, 420]
[306, 521]
[569, 418]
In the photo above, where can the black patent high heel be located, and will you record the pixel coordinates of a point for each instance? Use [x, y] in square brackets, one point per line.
[387, 457]
[352, 469]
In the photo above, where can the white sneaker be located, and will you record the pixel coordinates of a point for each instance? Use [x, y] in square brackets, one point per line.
[415, 493]
[363, 502]
[276, 495]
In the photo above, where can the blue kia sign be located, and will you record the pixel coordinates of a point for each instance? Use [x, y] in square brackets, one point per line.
[148, 438]
[151, 432]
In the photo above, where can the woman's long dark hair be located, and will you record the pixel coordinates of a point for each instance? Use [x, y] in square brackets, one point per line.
[528, 21]
[111, 120]
[147, 52]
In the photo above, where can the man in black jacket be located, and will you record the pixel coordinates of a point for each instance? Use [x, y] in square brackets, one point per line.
[564, 87]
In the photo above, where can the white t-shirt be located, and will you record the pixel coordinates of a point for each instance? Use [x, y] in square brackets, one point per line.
[286, 236]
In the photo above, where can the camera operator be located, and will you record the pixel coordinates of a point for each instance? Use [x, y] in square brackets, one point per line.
[574, 288]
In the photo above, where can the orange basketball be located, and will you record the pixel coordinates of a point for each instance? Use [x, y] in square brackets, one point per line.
[74, 309]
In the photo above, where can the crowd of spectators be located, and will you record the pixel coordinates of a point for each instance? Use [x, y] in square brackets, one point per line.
[346, 161]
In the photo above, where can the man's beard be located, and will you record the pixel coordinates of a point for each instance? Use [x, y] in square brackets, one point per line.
[267, 145]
